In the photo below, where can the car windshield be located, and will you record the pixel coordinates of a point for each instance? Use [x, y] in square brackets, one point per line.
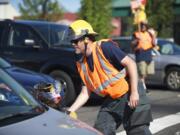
[176, 49]
[4, 64]
[54, 34]
[168, 47]
[15, 101]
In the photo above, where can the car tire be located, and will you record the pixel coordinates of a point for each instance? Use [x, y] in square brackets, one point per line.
[67, 83]
[173, 78]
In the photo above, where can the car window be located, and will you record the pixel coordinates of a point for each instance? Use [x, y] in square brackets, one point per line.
[54, 34]
[44, 31]
[20, 34]
[8, 97]
[13, 92]
[124, 44]
[15, 101]
[1, 31]
[176, 49]
[167, 49]
[59, 35]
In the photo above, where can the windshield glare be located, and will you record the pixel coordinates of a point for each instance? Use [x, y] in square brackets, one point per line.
[168, 48]
[13, 97]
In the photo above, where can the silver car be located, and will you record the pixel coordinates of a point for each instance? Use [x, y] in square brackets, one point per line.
[21, 114]
[167, 62]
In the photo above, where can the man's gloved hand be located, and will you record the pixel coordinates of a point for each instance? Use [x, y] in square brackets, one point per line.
[71, 114]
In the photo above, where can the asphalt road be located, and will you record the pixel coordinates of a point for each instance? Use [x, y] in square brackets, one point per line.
[164, 103]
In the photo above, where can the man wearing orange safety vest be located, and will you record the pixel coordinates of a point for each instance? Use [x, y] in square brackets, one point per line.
[143, 43]
[102, 67]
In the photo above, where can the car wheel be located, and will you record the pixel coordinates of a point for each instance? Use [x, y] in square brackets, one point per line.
[67, 85]
[173, 78]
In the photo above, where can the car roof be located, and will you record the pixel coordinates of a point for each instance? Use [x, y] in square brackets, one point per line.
[122, 37]
[130, 38]
[38, 23]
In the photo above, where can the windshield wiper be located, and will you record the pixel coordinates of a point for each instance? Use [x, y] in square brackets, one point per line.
[13, 118]
[38, 109]
[28, 114]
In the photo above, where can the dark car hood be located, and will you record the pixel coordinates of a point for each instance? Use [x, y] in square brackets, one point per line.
[26, 77]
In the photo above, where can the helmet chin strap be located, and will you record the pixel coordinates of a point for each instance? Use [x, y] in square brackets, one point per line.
[79, 57]
[82, 55]
[85, 48]
[85, 45]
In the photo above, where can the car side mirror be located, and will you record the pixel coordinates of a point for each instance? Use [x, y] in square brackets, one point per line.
[31, 42]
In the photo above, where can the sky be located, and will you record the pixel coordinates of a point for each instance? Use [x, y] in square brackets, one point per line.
[70, 5]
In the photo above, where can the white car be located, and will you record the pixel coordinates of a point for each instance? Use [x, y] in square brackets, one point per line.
[21, 114]
[167, 62]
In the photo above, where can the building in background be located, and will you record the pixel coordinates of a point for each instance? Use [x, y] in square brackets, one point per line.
[68, 18]
[7, 11]
[120, 10]
[116, 23]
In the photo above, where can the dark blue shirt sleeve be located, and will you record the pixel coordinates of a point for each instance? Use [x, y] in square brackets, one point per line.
[113, 53]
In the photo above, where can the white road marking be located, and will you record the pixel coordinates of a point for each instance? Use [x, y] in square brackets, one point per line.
[161, 123]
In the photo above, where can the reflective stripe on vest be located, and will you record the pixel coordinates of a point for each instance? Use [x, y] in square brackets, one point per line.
[102, 62]
[87, 78]
[115, 78]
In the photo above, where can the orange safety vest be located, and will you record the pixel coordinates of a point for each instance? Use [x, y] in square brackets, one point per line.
[105, 79]
[145, 40]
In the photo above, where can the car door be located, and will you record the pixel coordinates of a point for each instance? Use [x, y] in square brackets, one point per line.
[161, 61]
[157, 77]
[24, 47]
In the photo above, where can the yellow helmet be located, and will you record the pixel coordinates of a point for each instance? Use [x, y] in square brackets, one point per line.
[81, 28]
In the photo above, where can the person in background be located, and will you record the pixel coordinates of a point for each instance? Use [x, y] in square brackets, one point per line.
[143, 43]
[102, 67]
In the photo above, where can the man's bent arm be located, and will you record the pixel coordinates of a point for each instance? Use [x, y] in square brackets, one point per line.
[81, 99]
[132, 72]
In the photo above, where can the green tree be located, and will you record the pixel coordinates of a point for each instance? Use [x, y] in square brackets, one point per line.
[40, 10]
[98, 13]
[160, 16]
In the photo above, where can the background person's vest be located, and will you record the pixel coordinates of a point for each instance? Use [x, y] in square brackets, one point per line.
[145, 40]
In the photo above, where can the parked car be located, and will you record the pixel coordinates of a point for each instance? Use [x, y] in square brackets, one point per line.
[43, 47]
[21, 114]
[167, 62]
[30, 79]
